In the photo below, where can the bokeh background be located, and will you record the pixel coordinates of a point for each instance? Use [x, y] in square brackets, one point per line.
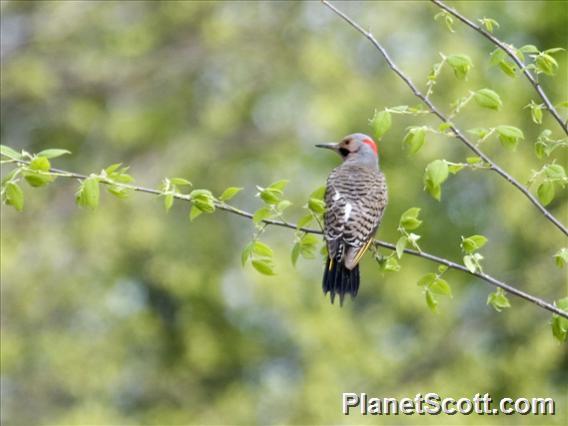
[128, 315]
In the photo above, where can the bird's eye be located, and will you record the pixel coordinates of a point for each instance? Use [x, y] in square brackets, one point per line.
[348, 141]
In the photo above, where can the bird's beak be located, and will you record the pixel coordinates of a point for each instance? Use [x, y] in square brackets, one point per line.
[333, 146]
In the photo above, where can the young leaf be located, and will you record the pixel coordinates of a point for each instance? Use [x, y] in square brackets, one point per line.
[555, 172]
[318, 193]
[264, 266]
[194, 212]
[561, 257]
[431, 301]
[180, 181]
[229, 193]
[381, 123]
[427, 279]
[409, 219]
[487, 98]
[14, 196]
[37, 175]
[261, 214]
[245, 254]
[489, 24]
[168, 201]
[473, 243]
[546, 64]
[498, 300]
[401, 245]
[461, 64]
[470, 263]
[391, 265]
[435, 174]
[316, 205]
[53, 153]
[414, 139]
[118, 191]
[6, 151]
[304, 221]
[441, 287]
[509, 136]
[261, 249]
[545, 192]
[88, 194]
[295, 253]
[560, 324]
[279, 185]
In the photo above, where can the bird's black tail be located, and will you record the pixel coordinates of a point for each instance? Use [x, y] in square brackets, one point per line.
[337, 279]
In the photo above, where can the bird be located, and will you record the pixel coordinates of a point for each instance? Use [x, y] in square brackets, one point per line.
[355, 199]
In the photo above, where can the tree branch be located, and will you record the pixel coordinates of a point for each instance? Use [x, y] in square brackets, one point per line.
[458, 134]
[505, 48]
[234, 210]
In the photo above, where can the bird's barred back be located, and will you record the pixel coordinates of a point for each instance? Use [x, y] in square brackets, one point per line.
[355, 201]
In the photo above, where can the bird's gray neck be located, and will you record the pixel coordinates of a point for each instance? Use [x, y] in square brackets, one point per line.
[366, 161]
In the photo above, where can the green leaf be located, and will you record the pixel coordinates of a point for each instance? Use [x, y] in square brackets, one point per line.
[470, 263]
[305, 220]
[561, 257]
[119, 191]
[264, 266]
[112, 168]
[318, 193]
[180, 181]
[270, 195]
[168, 201]
[435, 174]
[229, 193]
[283, 205]
[6, 151]
[489, 24]
[261, 249]
[529, 48]
[461, 64]
[560, 324]
[391, 265]
[409, 219]
[546, 64]
[473, 160]
[205, 205]
[279, 185]
[442, 269]
[401, 245]
[245, 254]
[381, 123]
[194, 212]
[14, 196]
[508, 68]
[316, 205]
[89, 193]
[487, 98]
[509, 136]
[261, 214]
[431, 301]
[545, 192]
[480, 132]
[53, 153]
[555, 172]
[308, 245]
[37, 175]
[455, 168]
[427, 279]
[414, 139]
[295, 253]
[473, 243]
[441, 287]
[498, 300]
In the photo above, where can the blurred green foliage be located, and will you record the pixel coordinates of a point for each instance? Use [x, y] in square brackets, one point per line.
[126, 315]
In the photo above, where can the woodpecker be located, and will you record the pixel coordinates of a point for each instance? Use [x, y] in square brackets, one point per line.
[355, 200]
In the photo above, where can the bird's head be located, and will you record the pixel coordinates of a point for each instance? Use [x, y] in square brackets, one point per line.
[357, 148]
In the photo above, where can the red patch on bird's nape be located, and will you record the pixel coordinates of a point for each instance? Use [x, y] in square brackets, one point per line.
[371, 143]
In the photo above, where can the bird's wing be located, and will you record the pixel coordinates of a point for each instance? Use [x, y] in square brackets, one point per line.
[367, 210]
[334, 225]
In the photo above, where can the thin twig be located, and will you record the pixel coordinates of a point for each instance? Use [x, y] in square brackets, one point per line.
[234, 210]
[505, 48]
[458, 134]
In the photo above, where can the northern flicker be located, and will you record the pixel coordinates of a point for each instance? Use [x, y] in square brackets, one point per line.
[355, 199]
